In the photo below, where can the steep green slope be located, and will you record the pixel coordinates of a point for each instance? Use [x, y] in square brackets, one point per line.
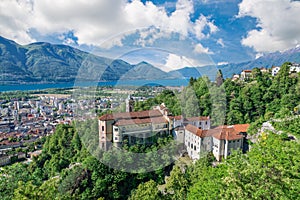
[43, 62]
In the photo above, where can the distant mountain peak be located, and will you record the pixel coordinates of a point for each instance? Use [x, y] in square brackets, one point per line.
[143, 63]
[45, 62]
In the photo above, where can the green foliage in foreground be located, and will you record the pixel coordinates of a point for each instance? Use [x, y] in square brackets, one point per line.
[289, 125]
[269, 171]
[66, 169]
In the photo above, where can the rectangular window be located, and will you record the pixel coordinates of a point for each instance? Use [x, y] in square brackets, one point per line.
[102, 128]
[116, 138]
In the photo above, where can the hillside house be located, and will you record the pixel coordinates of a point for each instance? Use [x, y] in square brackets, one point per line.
[294, 68]
[275, 70]
[246, 74]
[235, 77]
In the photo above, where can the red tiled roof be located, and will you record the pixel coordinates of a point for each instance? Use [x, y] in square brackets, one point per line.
[193, 129]
[241, 127]
[131, 115]
[154, 120]
[248, 71]
[220, 132]
[201, 118]
[227, 134]
[230, 132]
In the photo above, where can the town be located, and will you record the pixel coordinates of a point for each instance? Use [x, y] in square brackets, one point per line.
[25, 122]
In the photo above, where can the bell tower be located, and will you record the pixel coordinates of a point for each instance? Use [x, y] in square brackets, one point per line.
[129, 104]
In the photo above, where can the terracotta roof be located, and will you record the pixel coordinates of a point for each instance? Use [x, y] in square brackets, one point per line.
[194, 130]
[228, 132]
[201, 118]
[221, 132]
[131, 115]
[249, 71]
[158, 120]
[153, 120]
[241, 127]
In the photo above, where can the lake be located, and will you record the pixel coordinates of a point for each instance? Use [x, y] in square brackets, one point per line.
[25, 87]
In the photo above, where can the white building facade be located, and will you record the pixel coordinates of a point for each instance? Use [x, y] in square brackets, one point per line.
[220, 141]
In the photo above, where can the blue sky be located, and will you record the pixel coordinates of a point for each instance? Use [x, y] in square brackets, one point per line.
[169, 34]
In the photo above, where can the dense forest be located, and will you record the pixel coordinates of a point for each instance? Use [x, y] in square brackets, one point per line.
[254, 100]
[72, 167]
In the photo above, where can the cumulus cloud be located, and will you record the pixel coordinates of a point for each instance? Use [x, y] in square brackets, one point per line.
[99, 22]
[200, 24]
[201, 50]
[174, 62]
[278, 24]
[15, 20]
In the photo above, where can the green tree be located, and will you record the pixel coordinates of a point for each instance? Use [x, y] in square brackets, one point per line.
[146, 191]
[177, 184]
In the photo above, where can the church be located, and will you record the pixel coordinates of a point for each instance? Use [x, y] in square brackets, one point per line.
[144, 127]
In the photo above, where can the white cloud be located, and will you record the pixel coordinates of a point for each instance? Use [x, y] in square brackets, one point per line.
[223, 63]
[174, 62]
[201, 50]
[277, 22]
[200, 24]
[221, 42]
[99, 22]
[14, 20]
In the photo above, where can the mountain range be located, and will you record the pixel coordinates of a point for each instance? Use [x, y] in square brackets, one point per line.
[50, 63]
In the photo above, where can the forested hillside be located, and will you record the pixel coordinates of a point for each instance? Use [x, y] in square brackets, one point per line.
[49, 63]
[66, 170]
[257, 99]
[69, 166]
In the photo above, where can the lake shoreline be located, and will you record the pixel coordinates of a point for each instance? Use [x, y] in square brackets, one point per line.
[136, 83]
